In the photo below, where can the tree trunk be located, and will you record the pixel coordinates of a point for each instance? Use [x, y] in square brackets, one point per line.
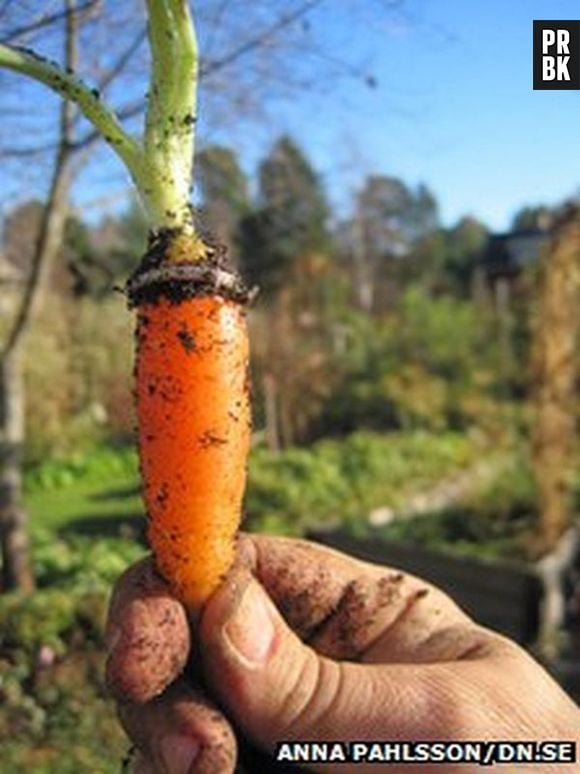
[16, 568]
[16, 565]
[504, 315]
[555, 372]
[271, 412]
[363, 273]
[551, 570]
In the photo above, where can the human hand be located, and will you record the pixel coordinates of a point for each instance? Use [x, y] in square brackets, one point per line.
[304, 643]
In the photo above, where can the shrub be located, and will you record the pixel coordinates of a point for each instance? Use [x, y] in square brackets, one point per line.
[78, 365]
[337, 481]
[95, 464]
[55, 716]
[432, 363]
[495, 519]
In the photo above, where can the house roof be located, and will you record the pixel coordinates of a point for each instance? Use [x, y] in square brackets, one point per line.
[507, 254]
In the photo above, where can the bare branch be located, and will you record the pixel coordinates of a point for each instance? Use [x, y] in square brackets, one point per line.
[54, 213]
[285, 20]
[46, 21]
[124, 58]
[69, 86]
[129, 111]
[28, 152]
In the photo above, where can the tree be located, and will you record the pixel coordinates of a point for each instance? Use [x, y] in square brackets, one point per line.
[532, 218]
[89, 274]
[17, 571]
[390, 221]
[291, 219]
[424, 212]
[427, 262]
[20, 233]
[555, 373]
[224, 192]
[104, 254]
[465, 243]
[386, 211]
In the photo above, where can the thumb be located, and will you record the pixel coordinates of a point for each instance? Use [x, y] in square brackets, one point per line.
[277, 688]
[274, 686]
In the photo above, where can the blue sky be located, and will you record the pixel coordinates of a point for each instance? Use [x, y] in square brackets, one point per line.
[454, 108]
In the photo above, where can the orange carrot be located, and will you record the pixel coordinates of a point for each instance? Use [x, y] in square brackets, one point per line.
[194, 431]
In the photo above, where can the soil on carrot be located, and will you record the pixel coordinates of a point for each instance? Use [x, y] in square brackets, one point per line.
[160, 243]
[157, 277]
[187, 339]
[183, 282]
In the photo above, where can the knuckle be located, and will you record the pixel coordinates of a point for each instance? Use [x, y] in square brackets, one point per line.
[312, 698]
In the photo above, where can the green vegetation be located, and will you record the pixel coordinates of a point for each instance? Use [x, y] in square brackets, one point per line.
[492, 520]
[289, 492]
[56, 716]
[55, 713]
[290, 218]
[334, 482]
[87, 523]
[431, 363]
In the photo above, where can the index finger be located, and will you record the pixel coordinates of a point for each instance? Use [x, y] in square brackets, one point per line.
[343, 606]
[147, 636]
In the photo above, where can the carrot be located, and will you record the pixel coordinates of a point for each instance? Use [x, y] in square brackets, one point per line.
[193, 413]
[192, 342]
[194, 426]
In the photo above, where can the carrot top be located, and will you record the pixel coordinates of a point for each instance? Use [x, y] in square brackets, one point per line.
[159, 162]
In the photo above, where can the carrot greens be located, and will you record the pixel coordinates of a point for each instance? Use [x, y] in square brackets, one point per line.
[160, 162]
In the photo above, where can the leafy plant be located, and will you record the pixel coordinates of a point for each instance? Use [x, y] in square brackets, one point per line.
[338, 481]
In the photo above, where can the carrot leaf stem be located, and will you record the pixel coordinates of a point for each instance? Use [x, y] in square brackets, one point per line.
[160, 163]
[171, 115]
[70, 87]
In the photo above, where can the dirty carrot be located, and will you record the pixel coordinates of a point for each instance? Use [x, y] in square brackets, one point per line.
[193, 412]
[191, 361]
[194, 426]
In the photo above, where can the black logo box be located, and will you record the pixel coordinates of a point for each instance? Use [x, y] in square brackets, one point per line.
[573, 52]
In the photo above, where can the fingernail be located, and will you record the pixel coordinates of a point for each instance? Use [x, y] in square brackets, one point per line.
[179, 753]
[250, 630]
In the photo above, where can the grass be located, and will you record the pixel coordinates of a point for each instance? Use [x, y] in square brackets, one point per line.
[97, 493]
[82, 504]
[101, 485]
[493, 520]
